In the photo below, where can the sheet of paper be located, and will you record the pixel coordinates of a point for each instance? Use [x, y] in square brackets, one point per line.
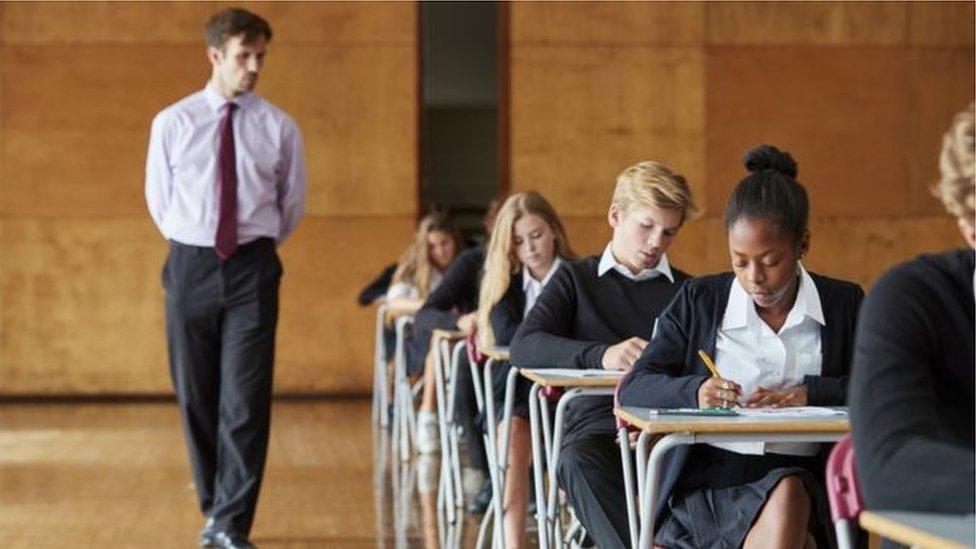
[574, 372]
[794, 411]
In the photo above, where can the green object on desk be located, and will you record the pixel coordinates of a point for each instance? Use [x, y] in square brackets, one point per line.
[722, 412]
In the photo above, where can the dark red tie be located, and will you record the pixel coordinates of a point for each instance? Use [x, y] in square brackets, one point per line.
[226, 242]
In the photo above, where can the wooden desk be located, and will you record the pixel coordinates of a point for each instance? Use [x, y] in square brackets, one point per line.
[682, 430]
[597, 383]
[927, 530]
[496, 353]
[438, 334]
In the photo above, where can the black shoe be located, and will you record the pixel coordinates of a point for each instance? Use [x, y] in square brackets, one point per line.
[223, 540]
[206, 538]
[481, 501]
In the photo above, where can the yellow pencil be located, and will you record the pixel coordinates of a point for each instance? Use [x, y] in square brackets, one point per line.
[708, 362]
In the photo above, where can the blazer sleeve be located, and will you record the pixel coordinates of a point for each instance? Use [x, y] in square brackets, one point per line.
[545, 338]
[662, 377]
[831, 390]
[904, 462]
[506, 316]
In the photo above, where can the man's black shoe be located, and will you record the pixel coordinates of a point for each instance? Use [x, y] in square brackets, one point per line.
[223, 540]
[481, 501]
[206, 538]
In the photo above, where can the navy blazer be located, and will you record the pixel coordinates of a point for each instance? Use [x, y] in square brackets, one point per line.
[669, 372]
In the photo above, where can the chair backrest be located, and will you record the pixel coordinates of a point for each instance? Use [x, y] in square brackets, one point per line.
[842, 488]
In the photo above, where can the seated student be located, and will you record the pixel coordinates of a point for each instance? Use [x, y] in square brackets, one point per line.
[451, 307]
[599, 312]
[420, 270]
[525, 250]
[780, 336]
[912, 385]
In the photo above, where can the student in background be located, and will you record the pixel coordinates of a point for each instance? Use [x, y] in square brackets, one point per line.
[524, 252]
[451, 307]
[780, 336]
[912, 387]
[599, 312]
[422, 265]
[420, 270]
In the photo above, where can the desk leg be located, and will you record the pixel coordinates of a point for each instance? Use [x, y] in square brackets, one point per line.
[505, 428]
[623, 440]
[492, 453]
[459, 347]
[653, 479]
[557, 437]
[641, 458]
[540, 512]
[445, 494]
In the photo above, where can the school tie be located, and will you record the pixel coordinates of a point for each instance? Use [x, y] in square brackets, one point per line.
[226, 241]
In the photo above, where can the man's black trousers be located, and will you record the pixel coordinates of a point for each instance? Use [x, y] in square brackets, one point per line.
[220, 326]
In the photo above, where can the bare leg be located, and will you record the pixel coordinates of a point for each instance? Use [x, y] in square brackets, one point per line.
[427, 402]
[517, 484]
[782, 523]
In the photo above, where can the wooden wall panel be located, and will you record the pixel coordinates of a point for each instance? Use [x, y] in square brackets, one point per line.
[338, 23]
[325, 341]
[842, 113]
[941, 24]
[582, 115]
[83, 304]
[794, 23]
[358, 128]
[617, 23]
[37, 23]
[940, 85]
[76, 133]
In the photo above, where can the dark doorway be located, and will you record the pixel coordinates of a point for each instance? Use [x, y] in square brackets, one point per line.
[460, 108]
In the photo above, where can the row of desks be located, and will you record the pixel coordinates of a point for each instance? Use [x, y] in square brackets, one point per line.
[916, 529]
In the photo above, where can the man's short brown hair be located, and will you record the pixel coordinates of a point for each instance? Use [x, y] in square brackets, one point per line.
[234, 22]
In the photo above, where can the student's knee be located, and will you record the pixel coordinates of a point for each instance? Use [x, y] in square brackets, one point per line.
[793, 492]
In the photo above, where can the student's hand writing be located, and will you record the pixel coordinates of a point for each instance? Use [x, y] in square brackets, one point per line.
[777, 398]
[624, 354]
[467, 323]
[718, 393]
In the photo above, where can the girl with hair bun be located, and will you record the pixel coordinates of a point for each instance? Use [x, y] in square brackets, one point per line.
[780, 336]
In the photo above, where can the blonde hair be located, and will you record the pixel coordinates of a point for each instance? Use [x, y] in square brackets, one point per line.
[651, 183]
[415, 267]
[501, 261]
[957, 161]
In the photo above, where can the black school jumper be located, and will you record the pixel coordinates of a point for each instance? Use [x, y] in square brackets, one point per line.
[912, 387]
[669, 372]
[576, 318]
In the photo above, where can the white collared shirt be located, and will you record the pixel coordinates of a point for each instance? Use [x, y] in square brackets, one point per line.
[409, 291]
[750, 353]
[533, 287]
[608, 261]
[182, 167]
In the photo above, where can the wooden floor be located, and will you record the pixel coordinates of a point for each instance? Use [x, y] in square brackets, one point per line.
[116, 474]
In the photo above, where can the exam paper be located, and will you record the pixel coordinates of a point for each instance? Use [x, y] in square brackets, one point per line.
[792, 411]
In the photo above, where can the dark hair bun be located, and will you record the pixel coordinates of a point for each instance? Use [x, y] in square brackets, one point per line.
[768, 157]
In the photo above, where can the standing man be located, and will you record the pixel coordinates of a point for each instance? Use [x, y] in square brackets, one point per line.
[225, 184]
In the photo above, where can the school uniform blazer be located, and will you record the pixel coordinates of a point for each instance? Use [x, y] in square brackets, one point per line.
[507, 314]
[669, 372]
